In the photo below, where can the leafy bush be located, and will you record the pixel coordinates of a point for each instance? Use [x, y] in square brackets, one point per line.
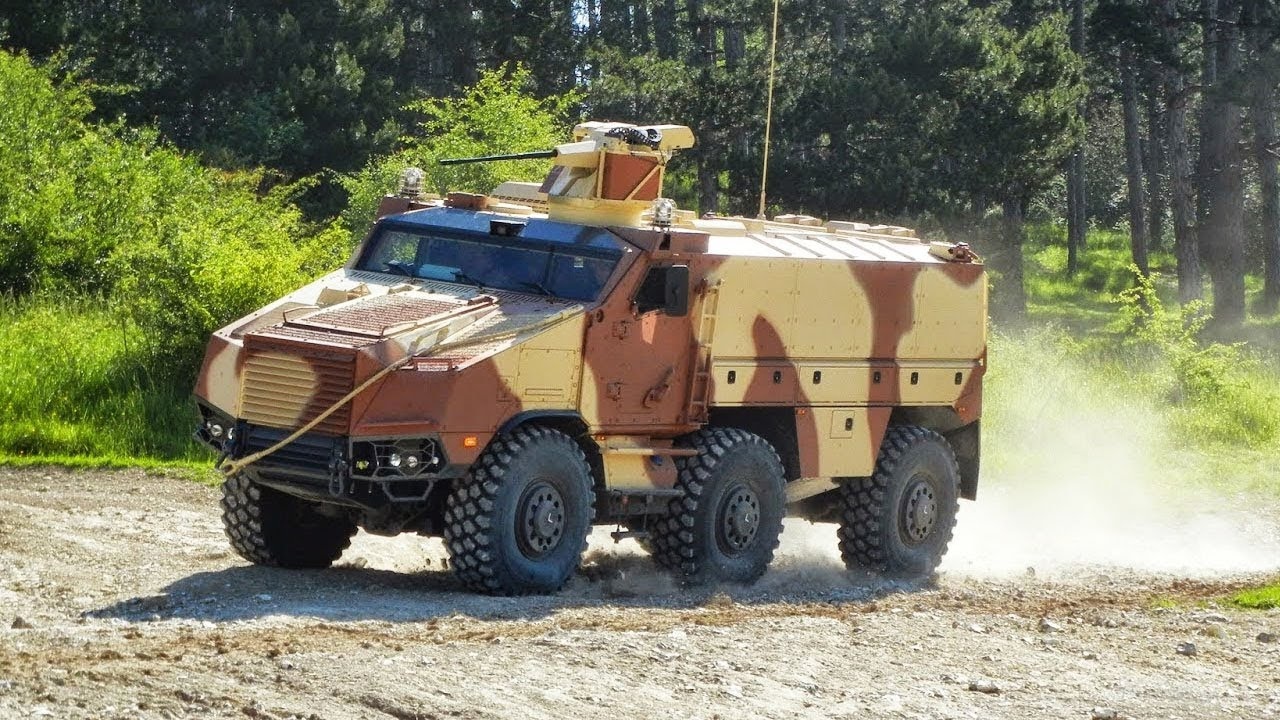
[495, 116]
[1219, 392]
[101, 211]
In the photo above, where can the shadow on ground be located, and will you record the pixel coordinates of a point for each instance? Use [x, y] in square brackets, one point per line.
[242, 593]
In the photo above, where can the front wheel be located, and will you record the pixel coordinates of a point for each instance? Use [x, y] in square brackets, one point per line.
[726, 526]
[268, 527]
[518, 522]
[898, 521]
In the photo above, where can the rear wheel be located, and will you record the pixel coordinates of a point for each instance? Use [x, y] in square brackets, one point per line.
[898, 521]
[726, 527]
[268, 527]
[518, 522]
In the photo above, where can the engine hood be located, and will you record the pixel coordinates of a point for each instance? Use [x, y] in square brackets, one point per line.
[314, 345]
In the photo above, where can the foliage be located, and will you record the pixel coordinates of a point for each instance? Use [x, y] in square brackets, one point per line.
[114, 214]
[299, 86]
[498, 115]
[71, 385]
[1219, 392]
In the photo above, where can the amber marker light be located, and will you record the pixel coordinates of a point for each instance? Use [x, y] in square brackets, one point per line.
[470, 441]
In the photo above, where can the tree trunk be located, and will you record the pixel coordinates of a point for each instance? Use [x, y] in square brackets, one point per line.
[701, 32]
[735, 46]
[1190, 282]
[1077, 212]
[615, 24]
[664, 29]
[1264, 138]
[839, 26]
[708, 184]
[640, 26]
[1181, 200]
[1133, 162]
[1221, 174]
[1262, 114]
[1010, 297]
[1154, 162]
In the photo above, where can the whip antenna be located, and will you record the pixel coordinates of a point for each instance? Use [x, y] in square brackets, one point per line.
[768, 111]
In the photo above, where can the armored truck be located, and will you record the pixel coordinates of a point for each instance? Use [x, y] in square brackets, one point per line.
[507, 370]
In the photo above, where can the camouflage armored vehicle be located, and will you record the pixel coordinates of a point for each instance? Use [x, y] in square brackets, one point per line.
[507, 370]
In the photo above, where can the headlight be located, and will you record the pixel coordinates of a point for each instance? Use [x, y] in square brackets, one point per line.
[215, 430]
[396, 458]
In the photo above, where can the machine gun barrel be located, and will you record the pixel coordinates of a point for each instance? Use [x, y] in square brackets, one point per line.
[534, 155]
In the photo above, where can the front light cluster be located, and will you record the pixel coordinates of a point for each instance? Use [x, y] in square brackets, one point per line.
[218, 432]
[396, 458]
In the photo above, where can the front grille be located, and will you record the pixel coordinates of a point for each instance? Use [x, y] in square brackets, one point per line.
[286, 390]
[309, 454]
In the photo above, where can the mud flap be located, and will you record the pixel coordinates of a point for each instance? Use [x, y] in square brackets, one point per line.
[967, 442]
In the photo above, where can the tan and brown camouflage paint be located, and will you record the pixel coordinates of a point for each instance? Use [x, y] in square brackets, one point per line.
[839, 341]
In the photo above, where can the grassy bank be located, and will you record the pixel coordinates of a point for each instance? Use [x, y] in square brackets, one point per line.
[75, 391]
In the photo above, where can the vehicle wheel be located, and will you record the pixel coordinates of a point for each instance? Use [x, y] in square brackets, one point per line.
[726, 526]
[268, 527]
[518, 522]
[898, 521]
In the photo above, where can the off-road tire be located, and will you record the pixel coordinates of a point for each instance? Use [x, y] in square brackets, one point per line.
[695, 537]
[493, 544]
[881, 527]
[268, 527]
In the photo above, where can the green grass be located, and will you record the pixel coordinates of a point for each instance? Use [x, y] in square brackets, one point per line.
[74, 390]
[1262, 598]
[1089, 300]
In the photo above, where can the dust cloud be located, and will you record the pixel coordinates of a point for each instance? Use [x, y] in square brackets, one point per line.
[1079, 474]
[1079, 478]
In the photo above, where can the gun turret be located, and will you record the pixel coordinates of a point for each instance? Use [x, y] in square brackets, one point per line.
[609, 174]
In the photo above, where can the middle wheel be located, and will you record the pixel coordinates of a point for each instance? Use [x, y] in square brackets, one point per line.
[726, 526]
[518, 522]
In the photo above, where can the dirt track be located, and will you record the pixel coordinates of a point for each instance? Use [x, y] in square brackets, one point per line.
[138, 610]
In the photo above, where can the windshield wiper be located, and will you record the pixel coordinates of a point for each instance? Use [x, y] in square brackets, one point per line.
[535, 285]
[400, 267]
[460, 276]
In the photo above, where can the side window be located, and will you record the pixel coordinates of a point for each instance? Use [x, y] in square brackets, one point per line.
[652, 293]
[665, 288]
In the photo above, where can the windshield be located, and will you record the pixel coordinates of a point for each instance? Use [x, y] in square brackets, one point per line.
[567, 272]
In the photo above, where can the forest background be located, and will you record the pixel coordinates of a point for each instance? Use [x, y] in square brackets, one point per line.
[164, 170]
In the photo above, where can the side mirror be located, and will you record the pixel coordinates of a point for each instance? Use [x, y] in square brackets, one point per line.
[665, 288]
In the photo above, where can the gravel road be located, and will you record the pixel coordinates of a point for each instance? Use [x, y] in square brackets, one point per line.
[120, 599]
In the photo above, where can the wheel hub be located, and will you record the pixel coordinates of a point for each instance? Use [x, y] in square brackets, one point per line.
[542, 520]
[919, 512]
[740, 519]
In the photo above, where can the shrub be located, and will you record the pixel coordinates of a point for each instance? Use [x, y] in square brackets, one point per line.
[1220, 392]
[101, 211]
[495, 116]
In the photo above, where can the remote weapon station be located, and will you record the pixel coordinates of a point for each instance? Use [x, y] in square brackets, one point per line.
[508, 370]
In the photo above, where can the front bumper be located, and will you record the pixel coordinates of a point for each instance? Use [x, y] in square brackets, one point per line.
[335, 469]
